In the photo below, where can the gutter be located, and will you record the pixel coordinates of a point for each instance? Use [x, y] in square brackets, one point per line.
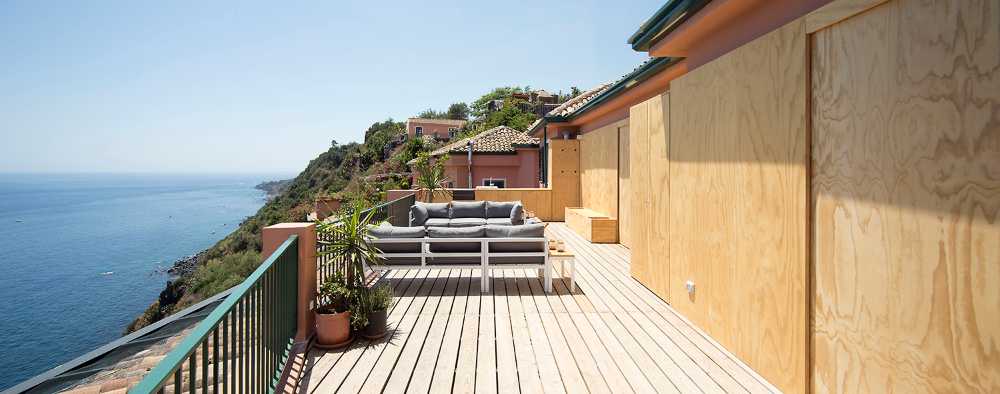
[664, 20]
[649, 69]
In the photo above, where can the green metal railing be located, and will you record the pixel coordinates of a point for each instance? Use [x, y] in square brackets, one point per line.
[242, 346]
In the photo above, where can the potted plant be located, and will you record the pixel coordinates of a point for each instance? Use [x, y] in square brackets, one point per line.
[370, 311]
[347, 240]
[333, 317]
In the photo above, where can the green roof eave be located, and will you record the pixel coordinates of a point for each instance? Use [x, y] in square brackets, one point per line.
[663, 21]
[623, 85]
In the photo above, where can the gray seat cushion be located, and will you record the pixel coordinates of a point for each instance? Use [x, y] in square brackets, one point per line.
[505, 221]
[517, 231]
[437, 222]
[468, 209]
[499, 209]
[418, 215]
[436, 210]
[456, 232]
[387, 232]
[467, 222]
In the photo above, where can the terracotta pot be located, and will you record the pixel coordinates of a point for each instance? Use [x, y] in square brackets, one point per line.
[376, 327]
[333, 329]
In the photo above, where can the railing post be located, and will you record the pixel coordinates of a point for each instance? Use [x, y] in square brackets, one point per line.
[273, 236]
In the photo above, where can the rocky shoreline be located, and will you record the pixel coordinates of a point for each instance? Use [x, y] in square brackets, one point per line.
[185, 265]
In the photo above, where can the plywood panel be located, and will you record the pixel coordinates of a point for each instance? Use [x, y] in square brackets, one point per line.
[738, 194]
[639, 200]
[906, 195]
[599, 170]
[656, 221]
[624, 189]
[538, 201]
[564, 175]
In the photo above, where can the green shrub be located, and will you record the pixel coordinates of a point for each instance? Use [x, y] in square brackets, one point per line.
[219, 274]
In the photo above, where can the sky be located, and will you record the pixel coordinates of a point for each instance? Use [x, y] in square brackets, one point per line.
[263, 87]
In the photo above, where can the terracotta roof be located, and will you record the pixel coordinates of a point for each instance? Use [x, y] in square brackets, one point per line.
[450, 122]
[573, 104]
[501, 139]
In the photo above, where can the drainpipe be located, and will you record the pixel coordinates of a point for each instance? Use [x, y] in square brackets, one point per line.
[545, 155]
[469, 146]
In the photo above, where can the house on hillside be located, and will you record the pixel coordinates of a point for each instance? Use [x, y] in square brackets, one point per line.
[439, 129]
[501, 157]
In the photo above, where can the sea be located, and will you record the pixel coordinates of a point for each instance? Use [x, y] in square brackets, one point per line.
[81, 255]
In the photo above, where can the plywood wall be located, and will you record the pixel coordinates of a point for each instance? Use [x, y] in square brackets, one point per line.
[738, 155]
[564, 176]
[649, 197]
[624, 189]
[906, 196]
[599, 170]
[538, 201]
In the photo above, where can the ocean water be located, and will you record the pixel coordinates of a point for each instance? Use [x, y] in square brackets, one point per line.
[82, 255]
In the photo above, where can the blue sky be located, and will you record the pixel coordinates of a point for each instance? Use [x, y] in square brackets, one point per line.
[262, 87]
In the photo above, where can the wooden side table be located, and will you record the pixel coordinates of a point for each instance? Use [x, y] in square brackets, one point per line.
[565, 257]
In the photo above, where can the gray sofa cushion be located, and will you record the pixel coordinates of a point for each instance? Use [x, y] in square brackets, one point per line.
[499, 221]
[517, 231]
[499, 209]
[418, 215]
[436, 210]
[437, 222]
[468, 209]
[386, 231]
[456, 232]
[517, 214]
[467, 222]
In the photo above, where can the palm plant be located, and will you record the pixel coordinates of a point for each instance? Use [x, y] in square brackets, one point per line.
[430, 177]
[347, 239]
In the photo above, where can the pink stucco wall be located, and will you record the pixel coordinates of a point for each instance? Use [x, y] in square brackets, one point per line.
[431, 128]
[519, 170]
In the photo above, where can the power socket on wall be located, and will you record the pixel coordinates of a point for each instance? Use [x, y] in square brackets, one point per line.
[689, 285]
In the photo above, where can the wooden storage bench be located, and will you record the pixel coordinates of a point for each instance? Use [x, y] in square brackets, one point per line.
[592, 225]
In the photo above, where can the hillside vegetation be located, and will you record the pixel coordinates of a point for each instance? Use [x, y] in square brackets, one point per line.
[354, 171]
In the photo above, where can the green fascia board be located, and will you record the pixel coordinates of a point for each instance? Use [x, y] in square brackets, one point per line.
[647, 70]
[663, 21]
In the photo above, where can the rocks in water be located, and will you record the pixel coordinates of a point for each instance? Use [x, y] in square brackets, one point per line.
[186, 265]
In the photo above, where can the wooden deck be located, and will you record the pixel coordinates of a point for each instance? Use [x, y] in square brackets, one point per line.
[612, 335]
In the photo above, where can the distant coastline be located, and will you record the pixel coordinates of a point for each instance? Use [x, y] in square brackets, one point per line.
[273, 188]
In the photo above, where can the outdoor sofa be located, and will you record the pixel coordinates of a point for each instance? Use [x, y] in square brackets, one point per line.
[487, 235]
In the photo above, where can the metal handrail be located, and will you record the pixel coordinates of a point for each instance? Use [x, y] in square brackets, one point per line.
[254, 327]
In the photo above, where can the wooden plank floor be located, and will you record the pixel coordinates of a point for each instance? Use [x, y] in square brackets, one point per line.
[611, 336]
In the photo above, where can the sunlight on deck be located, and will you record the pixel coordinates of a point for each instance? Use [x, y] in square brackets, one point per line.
[611, 335]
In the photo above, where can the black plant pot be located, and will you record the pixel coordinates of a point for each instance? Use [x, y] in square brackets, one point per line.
[376, 327]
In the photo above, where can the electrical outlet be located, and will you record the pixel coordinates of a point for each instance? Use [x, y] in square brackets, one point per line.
[689, 285]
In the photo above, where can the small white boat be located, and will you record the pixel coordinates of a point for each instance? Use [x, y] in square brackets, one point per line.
[108, 273]
[19, 220]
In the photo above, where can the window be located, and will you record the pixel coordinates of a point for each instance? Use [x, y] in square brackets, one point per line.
[451, 132]
[500, 183]
[418, 131]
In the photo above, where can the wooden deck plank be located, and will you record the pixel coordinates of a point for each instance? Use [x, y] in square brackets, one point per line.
[506, 361]
[426, 363]
[610, 335]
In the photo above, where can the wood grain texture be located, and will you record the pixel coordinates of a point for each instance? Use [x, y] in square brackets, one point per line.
[649, 200]
[906, 195]
[592, 225]
[538, 201]
[599, 170]
[837, 11]
[639, 202]
[564, 175]
[624, 189]
[738, 192]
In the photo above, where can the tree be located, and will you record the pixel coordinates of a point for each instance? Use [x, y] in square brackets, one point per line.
[480, 107]
[429, 176]
[430, 113]
[458, 111]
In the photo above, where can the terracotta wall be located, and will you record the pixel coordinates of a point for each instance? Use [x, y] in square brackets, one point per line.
[429, 128]
[519, 170]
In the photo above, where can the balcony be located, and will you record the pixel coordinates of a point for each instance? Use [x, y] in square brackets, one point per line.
[610, 335]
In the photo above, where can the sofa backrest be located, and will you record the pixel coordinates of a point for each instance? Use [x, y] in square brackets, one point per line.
[468, 209]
